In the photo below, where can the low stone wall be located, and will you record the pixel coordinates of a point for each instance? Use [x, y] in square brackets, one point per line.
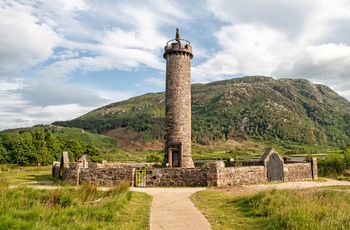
[124, 165]
[241, 175]
[209, 174]
[243, 163]
[106, 176]
[185, 177]
[297, 171]
[71, 174]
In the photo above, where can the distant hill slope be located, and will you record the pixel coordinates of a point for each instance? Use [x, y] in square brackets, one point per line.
[284, 110]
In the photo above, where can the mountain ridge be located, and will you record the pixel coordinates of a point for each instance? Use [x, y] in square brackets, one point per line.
[258, 107]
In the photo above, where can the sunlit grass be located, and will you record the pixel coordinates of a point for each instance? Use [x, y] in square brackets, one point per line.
[326, 208]
[73, 208]
[27, 174]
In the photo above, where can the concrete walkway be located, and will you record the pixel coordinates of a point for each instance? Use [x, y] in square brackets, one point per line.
[172, 209]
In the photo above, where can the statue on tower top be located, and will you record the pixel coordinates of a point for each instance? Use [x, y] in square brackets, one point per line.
[177, 37]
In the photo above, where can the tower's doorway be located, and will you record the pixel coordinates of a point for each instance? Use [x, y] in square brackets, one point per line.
[174, 154]
[176, 158]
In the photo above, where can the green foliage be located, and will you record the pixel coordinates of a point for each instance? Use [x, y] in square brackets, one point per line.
[100, 141]
[276, 209]
[40, 145]
[331, 165]
[70, 208]
[53, 145]
[334, 164]
[300, 151]
[154, 158]
[95, 155]
[261, 108]
[23, 150]
[75, 148]
[4, 157]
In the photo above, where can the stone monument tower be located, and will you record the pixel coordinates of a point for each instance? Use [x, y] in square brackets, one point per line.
[178, 55]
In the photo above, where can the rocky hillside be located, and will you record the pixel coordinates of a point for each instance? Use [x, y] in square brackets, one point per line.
[255, 107]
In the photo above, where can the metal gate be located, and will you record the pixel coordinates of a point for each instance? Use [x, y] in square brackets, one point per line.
[140, 178]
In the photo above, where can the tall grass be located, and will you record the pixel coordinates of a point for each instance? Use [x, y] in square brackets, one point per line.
[71, 208]
[277, 209]
[26, 174]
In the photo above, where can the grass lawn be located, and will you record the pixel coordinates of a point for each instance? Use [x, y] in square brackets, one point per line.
[15, 174]
[82, 207]
[326, 208]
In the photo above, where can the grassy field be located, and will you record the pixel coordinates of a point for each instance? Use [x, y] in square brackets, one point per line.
[83, 207]
[134, 156]
[326, 208]
[100, 141]
[15, 174]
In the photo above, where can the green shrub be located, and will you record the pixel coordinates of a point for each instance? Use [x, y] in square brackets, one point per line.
[154, 158]
[332, 165]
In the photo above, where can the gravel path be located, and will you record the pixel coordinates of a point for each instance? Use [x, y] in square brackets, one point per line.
[172, 209]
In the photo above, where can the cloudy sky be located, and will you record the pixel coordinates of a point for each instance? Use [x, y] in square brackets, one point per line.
[60, 59]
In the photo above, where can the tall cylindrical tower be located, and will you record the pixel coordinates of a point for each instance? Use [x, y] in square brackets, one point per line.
[178, 103]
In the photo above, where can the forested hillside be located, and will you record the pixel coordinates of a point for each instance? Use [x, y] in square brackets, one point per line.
[42, 145]
[256, 107]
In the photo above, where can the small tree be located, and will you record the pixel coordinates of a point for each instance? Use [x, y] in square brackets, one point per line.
[332, 165]
[93, 152]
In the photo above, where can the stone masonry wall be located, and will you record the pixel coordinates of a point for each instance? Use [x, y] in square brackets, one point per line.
[70, 174]
[185, 177]
[123, 165]
[178, 101]
[56, 169]
[107, 176]
[297, 171]
[241, 175]
[210, 174]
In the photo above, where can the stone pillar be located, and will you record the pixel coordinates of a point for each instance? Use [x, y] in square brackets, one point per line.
[314, 168]
[178, 103]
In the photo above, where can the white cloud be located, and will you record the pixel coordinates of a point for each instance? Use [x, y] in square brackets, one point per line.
[25, 41]
[328, 64]
[46, 44]
[28, 116]
[27, 103]
[45, 93]
[296, 39]
[70, 5]
[155, 81]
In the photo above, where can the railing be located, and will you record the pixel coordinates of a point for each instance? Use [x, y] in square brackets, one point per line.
[140, 178]
[174, 40]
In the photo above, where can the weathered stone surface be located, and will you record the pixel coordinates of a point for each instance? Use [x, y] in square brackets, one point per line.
[241, 175]
[314, 168]
[185, 177]
[56, 169]
[178, 105]
[123, 165]
[208, 174]
[297, 171]
[106, 176]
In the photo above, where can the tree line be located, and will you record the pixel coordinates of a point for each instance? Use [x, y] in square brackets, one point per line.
[42, 147]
